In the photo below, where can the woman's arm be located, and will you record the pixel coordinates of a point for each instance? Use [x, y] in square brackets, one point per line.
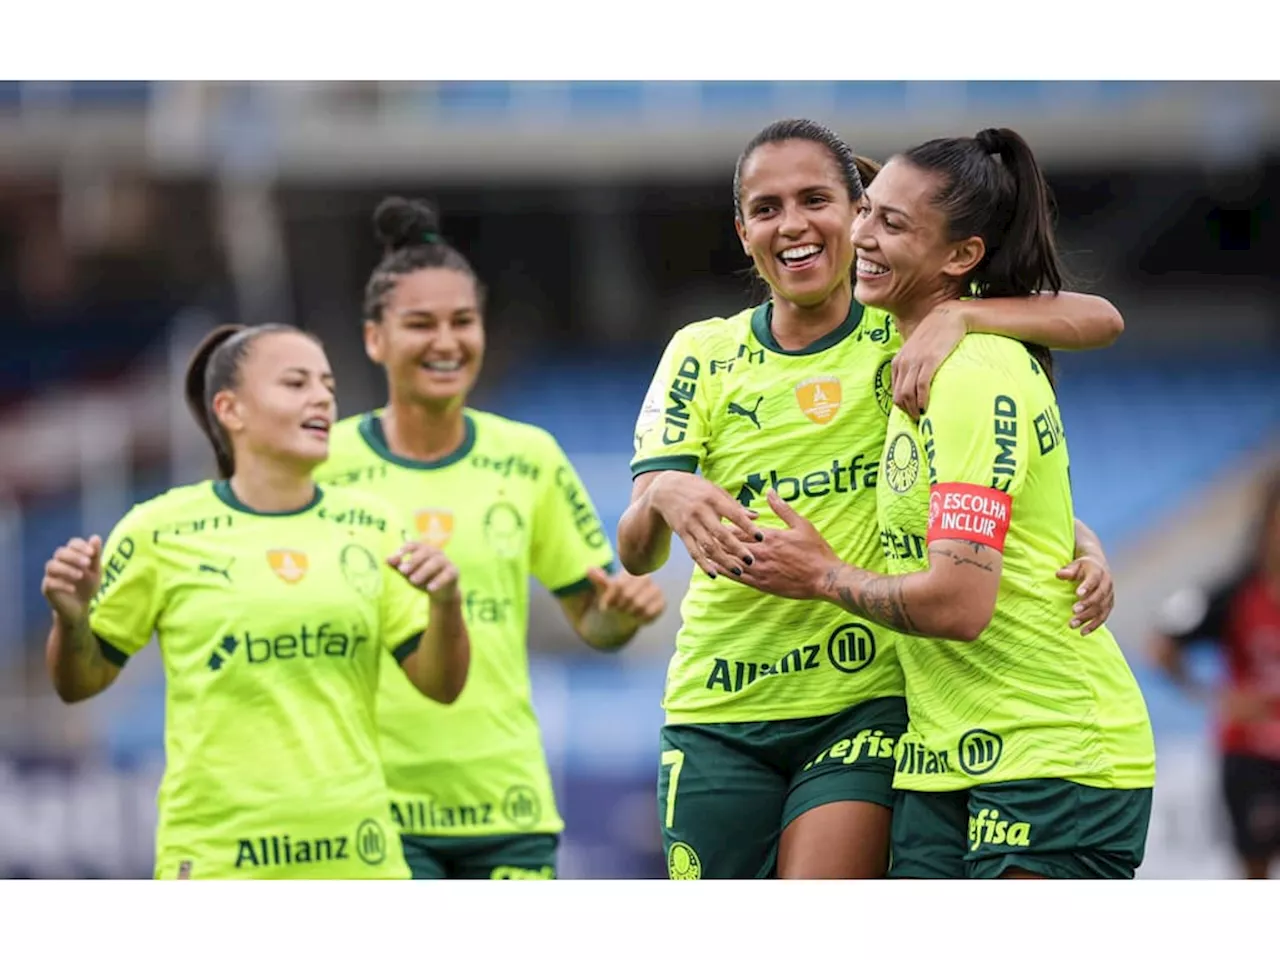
[1062, 321]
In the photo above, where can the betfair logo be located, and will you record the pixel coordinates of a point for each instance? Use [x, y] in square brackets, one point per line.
[865, 744]
[989, 828]
[306, 644]
[477, 608]
[979, 751]
[289, 565]
[858, 474]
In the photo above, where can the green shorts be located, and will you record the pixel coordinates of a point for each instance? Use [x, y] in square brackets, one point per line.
[726, 791]
[519, 856]
[1053, 828]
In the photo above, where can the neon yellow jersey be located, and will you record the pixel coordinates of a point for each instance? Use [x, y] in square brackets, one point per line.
[1029, 698]
[272, 628]
[728, 401]
[506, 505]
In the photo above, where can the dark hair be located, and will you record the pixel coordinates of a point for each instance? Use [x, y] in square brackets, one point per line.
[993, 188]
[852, 167]
[409, 231]
[215, 366]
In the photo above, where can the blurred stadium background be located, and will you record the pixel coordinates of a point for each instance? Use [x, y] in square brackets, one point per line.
[134, 215]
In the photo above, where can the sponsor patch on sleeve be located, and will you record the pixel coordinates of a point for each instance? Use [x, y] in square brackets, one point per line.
[969, 512]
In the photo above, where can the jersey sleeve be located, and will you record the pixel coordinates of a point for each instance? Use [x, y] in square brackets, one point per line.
[568, 537]
[974, 439]
[124, 612]
[673, 425]
[403, 609]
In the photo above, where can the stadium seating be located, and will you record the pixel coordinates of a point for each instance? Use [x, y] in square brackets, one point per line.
[1124, 419]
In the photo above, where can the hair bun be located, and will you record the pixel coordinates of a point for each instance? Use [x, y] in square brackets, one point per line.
[400, 223]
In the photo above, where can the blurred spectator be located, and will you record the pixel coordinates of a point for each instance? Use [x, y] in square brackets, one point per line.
[1242, 615]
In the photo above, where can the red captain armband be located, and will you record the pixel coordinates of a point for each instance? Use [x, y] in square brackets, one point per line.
[969, 512]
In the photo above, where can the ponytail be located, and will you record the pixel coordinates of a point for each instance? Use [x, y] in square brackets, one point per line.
[1024, 258]
[215, 366]
[200, 402]
[993, 188]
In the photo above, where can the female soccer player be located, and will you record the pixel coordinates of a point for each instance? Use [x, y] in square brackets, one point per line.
[272, 599]
[782, 716]
[470, 786]
[1029, 752]
[1242, 615]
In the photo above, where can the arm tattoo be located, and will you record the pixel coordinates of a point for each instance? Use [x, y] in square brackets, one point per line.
[82, 644]
[877, 598]
[959, 559]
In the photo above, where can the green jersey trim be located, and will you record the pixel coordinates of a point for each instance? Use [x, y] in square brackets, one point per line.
[579, 585]
[685, 463]
[372, 433]
[222, 488]
[406, 649]
[762, 327]
[112, 654]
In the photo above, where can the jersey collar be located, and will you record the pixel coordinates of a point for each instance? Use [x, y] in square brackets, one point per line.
[372, 433]
[762, 327]
[222, 489]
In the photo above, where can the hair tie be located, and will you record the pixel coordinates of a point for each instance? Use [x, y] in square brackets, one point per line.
[430, 237]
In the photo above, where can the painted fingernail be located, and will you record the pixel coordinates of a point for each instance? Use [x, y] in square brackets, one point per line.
[759, 536]
[736, 571]
[748, 561]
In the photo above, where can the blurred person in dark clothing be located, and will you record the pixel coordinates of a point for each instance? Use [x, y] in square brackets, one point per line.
[1242, 615]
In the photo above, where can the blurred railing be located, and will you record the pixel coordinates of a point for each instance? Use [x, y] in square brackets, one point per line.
[602, 130]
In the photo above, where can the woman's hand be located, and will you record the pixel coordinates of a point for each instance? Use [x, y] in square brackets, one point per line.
[695, 509]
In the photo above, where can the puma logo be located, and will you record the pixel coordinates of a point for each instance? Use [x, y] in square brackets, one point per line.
[739, 411]
[224, 572]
